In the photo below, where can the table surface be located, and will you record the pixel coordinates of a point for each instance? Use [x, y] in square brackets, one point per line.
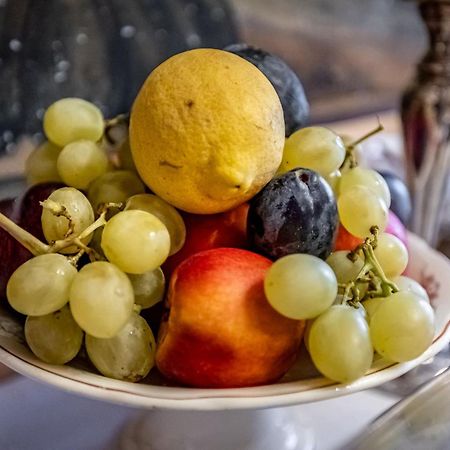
[35, 416]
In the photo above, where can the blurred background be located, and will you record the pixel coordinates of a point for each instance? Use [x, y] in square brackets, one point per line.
[353, 56]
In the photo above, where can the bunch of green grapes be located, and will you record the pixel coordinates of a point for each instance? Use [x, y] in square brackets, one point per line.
[356, 302]
[127, 234]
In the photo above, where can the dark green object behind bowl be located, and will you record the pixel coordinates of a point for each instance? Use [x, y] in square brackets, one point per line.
[100, 50]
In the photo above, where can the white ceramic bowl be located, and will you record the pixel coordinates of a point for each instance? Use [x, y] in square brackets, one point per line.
[302, 383]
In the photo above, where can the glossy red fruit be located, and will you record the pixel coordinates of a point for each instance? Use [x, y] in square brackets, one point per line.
[345, 240]
[220, 330]
[204, 232]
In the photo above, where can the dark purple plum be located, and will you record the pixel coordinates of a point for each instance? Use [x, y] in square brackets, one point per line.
[296, 212]
[285, 81]
[400, 199]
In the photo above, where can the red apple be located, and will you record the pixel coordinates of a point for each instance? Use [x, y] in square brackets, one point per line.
[220, 330]
[204, 232]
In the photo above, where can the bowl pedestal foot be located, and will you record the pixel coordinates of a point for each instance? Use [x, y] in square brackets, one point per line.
[269, 429]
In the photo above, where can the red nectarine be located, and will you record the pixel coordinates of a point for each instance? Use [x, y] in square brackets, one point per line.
[221, 331]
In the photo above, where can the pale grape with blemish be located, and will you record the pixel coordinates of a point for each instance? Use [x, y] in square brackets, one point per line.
[79, 209]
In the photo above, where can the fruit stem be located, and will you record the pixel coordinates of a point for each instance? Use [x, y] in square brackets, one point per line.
[59, 210]
[371, 273]
[110, 124]
[367, 135]
[30, 242]
[350, 156]
[75, 258]
[77, 240]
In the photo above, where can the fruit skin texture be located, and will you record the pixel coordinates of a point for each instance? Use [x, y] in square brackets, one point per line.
[206, 131]
[284, 80]
[221, 331]
[204, 232]
[295, 213]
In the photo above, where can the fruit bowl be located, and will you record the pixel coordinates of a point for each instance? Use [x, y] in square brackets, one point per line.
[301, 384]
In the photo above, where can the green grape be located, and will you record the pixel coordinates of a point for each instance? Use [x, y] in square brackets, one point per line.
[371, 305]
[71, 119]
[315, 148]
[408, 284]
[358, 176]
[114, 187]
[41, 285]
[166, 213]
[55, 338]
[136, 241]
[402, 327]
[125, 157]
[129, 355]
[101, 299]
[392, 254]
[79, 210]
[81, 162]
[334, 179]
[40, 166]
[339, 344]
[300, 286]
[344, 269]
[148, 287]
[360, 209]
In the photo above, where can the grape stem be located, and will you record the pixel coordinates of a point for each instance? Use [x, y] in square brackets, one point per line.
[350, 157]
[59, 211]
[77, 240]
[30, 242]
[110, 124]
[371, 273]
[37, 247]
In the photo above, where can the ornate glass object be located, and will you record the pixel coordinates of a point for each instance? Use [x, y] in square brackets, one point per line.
[426, 125]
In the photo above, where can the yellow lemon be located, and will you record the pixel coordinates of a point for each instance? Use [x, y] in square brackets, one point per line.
[206, 131]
